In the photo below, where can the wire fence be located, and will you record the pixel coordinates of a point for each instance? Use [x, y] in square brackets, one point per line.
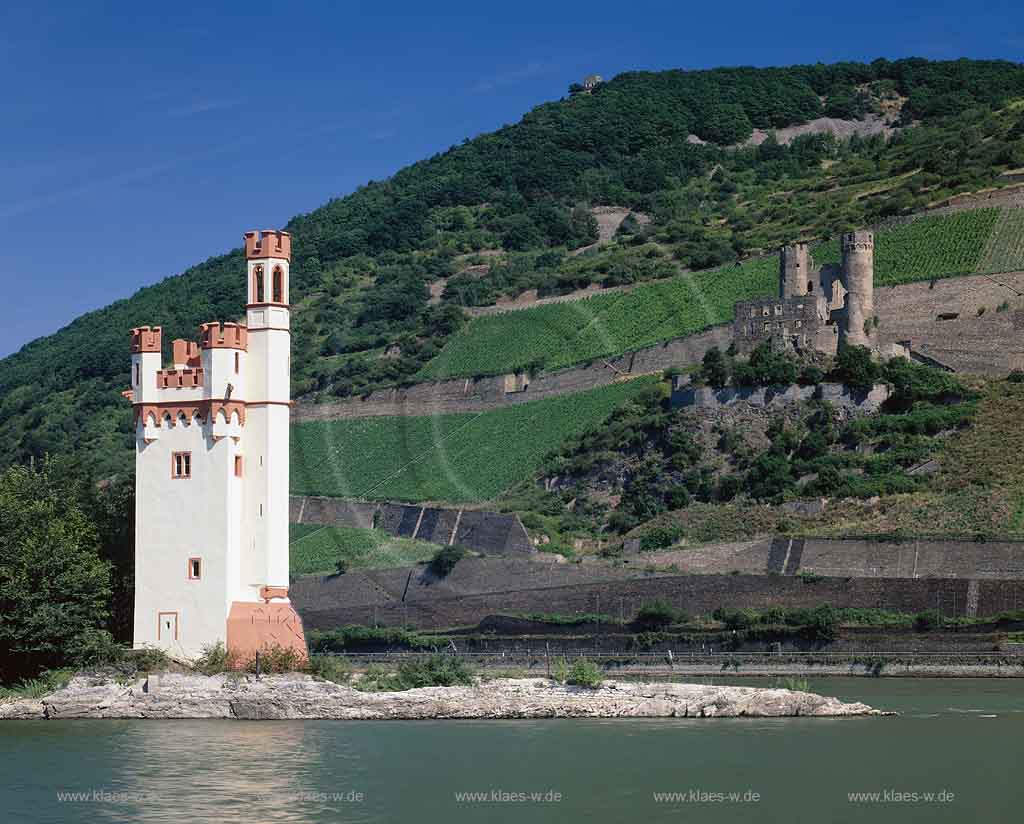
[516, 657]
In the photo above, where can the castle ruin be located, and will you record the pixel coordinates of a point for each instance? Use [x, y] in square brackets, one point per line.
[817, 308]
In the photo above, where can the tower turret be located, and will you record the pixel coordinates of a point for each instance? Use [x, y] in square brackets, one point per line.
[268, 402]
[794, 271]
[856, 328]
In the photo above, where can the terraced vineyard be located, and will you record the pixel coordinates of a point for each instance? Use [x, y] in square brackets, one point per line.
[1005, 249]
[932, 246]
[316, 549]
[457, 458]
[561, 334]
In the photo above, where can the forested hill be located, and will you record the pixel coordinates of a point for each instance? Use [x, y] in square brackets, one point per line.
[503, 212]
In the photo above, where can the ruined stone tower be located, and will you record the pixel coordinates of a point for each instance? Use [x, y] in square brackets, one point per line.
[858, 278]
[794, 271]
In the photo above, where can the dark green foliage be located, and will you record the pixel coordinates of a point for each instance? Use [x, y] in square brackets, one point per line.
[354, 637]
[432, 671]
[54, 586]
[659, 537]
[658, 615]
[445, 560]
[819, 623]
[856, 368]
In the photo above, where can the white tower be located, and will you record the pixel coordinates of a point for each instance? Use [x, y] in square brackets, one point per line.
[211, 554]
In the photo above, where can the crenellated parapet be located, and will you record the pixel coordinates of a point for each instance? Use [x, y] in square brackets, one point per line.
[146, 339]
[268, 243]
[224, 336]
[188, 378]
[861, 241]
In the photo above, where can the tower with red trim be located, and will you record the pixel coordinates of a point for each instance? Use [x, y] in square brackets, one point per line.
[211, 555]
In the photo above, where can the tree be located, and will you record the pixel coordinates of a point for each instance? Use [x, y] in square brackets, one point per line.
[855, 367]
[54, 587]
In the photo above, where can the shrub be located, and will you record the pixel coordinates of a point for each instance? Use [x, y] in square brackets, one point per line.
[657, 615]
[445, 560]
[213, 659]
[584, 673]
[330, 668]
[736, 619]
[927, 620]
[659, 537]
[855, 367]
[435, 671]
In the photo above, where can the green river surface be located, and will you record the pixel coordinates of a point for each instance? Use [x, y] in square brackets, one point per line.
[961, 741]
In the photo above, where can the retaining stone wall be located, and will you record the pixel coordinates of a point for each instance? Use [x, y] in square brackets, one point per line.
[481, 394]
[491, 533]
[697, 594]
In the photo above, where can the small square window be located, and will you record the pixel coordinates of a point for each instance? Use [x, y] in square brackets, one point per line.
[181, 465]
[195, 569]
[798, 324]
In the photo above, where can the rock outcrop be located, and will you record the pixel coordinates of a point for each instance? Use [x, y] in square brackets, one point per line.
[297, 696]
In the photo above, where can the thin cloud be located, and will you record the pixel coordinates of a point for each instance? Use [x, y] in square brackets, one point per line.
[202, 107]
[509, 78]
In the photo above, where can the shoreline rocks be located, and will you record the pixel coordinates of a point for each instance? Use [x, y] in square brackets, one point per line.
[298, 696]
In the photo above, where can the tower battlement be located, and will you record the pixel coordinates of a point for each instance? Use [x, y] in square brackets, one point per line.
[268, 243]
[858, 240]
[216, 335]
[185, 353]
[146, 339]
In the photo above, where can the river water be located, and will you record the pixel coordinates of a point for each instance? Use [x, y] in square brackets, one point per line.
[957, 745]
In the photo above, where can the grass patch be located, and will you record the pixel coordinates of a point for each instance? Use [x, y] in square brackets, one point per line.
[317, 550]
[561, 334]
[460, 457]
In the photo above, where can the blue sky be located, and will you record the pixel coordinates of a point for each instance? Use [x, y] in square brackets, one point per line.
[140, 138]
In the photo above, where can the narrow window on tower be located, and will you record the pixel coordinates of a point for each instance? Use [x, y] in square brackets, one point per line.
[181, 465]
[195, 569]
[236, 362]
[257, 274]
[136, 374]
[238, 466]
[278, 285]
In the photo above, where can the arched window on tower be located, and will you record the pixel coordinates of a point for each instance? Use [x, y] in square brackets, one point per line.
[257, 274]
[278, 285]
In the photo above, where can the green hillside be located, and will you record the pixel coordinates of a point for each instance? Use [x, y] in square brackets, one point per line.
[504, 211]
[557, 335]
[462, 457]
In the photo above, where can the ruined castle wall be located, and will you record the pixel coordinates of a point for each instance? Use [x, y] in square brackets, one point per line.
[704, 397]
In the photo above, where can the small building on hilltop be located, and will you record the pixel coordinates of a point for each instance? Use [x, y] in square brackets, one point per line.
[211, 468]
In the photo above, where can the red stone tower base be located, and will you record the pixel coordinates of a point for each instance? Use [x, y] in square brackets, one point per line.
[254, 627]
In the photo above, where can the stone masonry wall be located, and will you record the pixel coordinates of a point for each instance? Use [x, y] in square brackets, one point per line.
[697, 594]
[485, 393]
[704, 397]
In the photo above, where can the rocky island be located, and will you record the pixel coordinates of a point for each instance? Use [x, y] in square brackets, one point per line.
[299, 696]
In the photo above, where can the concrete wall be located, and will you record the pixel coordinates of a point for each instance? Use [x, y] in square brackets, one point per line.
[491, 533]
